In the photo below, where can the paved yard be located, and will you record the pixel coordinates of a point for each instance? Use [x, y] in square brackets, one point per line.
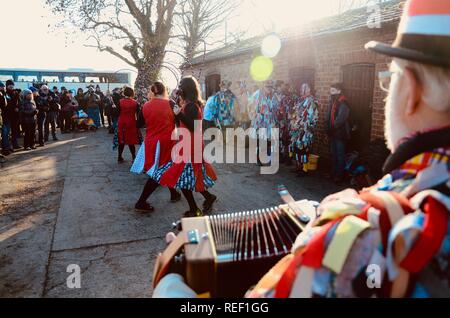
[71, 203]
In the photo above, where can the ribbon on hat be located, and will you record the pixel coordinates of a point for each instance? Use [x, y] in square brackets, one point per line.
[426, 17]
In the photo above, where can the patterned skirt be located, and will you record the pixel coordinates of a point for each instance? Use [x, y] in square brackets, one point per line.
[180, 176]
[186, 176]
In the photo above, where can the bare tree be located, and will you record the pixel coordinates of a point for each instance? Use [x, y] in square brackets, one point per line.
[146, 29]
[143, 27]
[197, 20]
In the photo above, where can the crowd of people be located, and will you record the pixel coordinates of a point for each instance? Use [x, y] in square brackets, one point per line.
[390, 240]
[397, 229]
[294, 111]
[275, 105]
[37, 112]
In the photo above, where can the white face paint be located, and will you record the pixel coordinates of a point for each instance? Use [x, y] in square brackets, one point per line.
[334, 91]
[305, 89]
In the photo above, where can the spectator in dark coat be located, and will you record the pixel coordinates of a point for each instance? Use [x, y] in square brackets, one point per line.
[35, 92]
[338, 130]
[60, 118]
[43, 107]
[115, 112]
[5, 128]
[52, 101]
[80, 99]
[117, 96]
[12, 114]
[92, 101]
[28, 112]
[109, 104]
[69, 105]
[2, 103]
[100, 94]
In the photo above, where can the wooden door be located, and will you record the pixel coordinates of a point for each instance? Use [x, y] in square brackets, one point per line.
[302, 75]
[212, 84]
[358, 88]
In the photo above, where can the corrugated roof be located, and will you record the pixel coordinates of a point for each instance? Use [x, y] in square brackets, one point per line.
[353, 19]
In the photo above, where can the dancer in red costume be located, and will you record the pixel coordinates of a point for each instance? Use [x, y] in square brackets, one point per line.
[128, 132]
[188, 171]
[158, 144]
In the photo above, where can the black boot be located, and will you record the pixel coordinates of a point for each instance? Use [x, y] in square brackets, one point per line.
[192, 214]
[208, 204]
[144, 207]
[175, 197]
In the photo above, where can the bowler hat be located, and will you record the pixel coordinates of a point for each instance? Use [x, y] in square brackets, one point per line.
[423, 35]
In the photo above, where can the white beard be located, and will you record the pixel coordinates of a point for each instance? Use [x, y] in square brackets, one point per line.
[395, 128]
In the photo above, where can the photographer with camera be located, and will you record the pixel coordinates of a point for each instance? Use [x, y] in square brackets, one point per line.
[50, 102]
[101, 105]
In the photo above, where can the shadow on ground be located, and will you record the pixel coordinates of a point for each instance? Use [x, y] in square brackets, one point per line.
[71, 203]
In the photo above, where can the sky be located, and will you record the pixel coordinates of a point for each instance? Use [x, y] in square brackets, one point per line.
[35, 42]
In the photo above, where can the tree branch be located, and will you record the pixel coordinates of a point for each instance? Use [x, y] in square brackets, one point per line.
[110, 50]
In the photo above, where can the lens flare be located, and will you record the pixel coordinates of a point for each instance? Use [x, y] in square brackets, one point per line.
[261, 68]
[271, 45]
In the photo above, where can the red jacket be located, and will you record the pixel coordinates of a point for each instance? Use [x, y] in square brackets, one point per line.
[127, 125]
[160, 122]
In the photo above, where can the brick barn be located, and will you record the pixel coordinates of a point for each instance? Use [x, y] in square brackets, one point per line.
[321, 53]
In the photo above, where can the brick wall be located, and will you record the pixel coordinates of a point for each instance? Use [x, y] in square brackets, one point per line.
[326, 55]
